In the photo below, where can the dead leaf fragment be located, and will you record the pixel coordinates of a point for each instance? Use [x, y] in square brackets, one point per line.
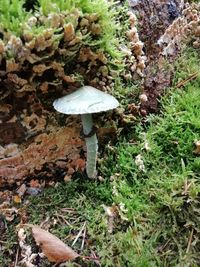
[69, 32]
[8, 212]
[27, 256]
[17, 199]
[52, 247]
[197, 150]
[112, 213]
[35, 183]
[21, 191]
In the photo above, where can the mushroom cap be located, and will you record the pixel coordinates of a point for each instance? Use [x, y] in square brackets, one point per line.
[86, 99]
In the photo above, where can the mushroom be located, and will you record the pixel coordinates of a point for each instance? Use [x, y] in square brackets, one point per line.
[85, 101]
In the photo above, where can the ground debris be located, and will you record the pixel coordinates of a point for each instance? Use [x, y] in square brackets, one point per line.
[197, 150]
[27, 256]
[53, 248]
[7, 211]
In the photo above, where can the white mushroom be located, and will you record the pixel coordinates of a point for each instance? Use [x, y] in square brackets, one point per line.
[85, 101]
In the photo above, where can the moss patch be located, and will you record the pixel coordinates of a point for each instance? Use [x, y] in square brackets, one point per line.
[156, 194]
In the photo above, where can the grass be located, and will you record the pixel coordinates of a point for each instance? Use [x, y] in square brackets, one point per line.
[158, 206]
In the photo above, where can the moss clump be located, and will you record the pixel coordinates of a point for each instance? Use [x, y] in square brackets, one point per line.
[57, 46]
[156, 177]
[14, 15]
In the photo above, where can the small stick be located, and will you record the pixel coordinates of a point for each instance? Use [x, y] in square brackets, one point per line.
[79, 234]
[186, 187]
[83, 240]
[190, 78]
[164, 246]
[190, 241]
[76, 264]
[17, 256]
[63, 218]
[45, 221]
[90, 258]
[69, 210]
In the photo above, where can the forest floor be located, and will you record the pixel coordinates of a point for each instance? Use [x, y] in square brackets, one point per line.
[144, 210]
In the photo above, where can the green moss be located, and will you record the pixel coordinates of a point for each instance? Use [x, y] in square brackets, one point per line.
[102, 8]
[88, 51]
[155, 199]
[12, 15]
[159, 206]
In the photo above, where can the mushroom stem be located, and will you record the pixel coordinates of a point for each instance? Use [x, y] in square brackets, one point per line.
[91, 144]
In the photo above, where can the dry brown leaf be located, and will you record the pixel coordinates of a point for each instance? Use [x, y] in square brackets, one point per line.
[35, 183]
[17, 199]
[8, 212]
[53, 248]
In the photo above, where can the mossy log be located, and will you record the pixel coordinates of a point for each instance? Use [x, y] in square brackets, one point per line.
[50, 56]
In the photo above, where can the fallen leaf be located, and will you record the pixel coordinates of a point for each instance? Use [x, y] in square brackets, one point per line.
[197, 150]
[67, 178]
[8, 212]
[17, 199]
[21, 190]
[52, 247]
[35, 183]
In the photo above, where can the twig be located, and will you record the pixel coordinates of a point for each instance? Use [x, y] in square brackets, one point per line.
[161, 249]
[93, 257]
[79, 234]
[83, 240]
[63, 218]
[17, 256]
[190, 241]
[190, 78]
[90, 258]
[45, 221]
[76, 264]
[69, 210]
[186, 187]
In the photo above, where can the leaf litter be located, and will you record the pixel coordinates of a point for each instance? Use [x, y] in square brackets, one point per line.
[52, 247]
